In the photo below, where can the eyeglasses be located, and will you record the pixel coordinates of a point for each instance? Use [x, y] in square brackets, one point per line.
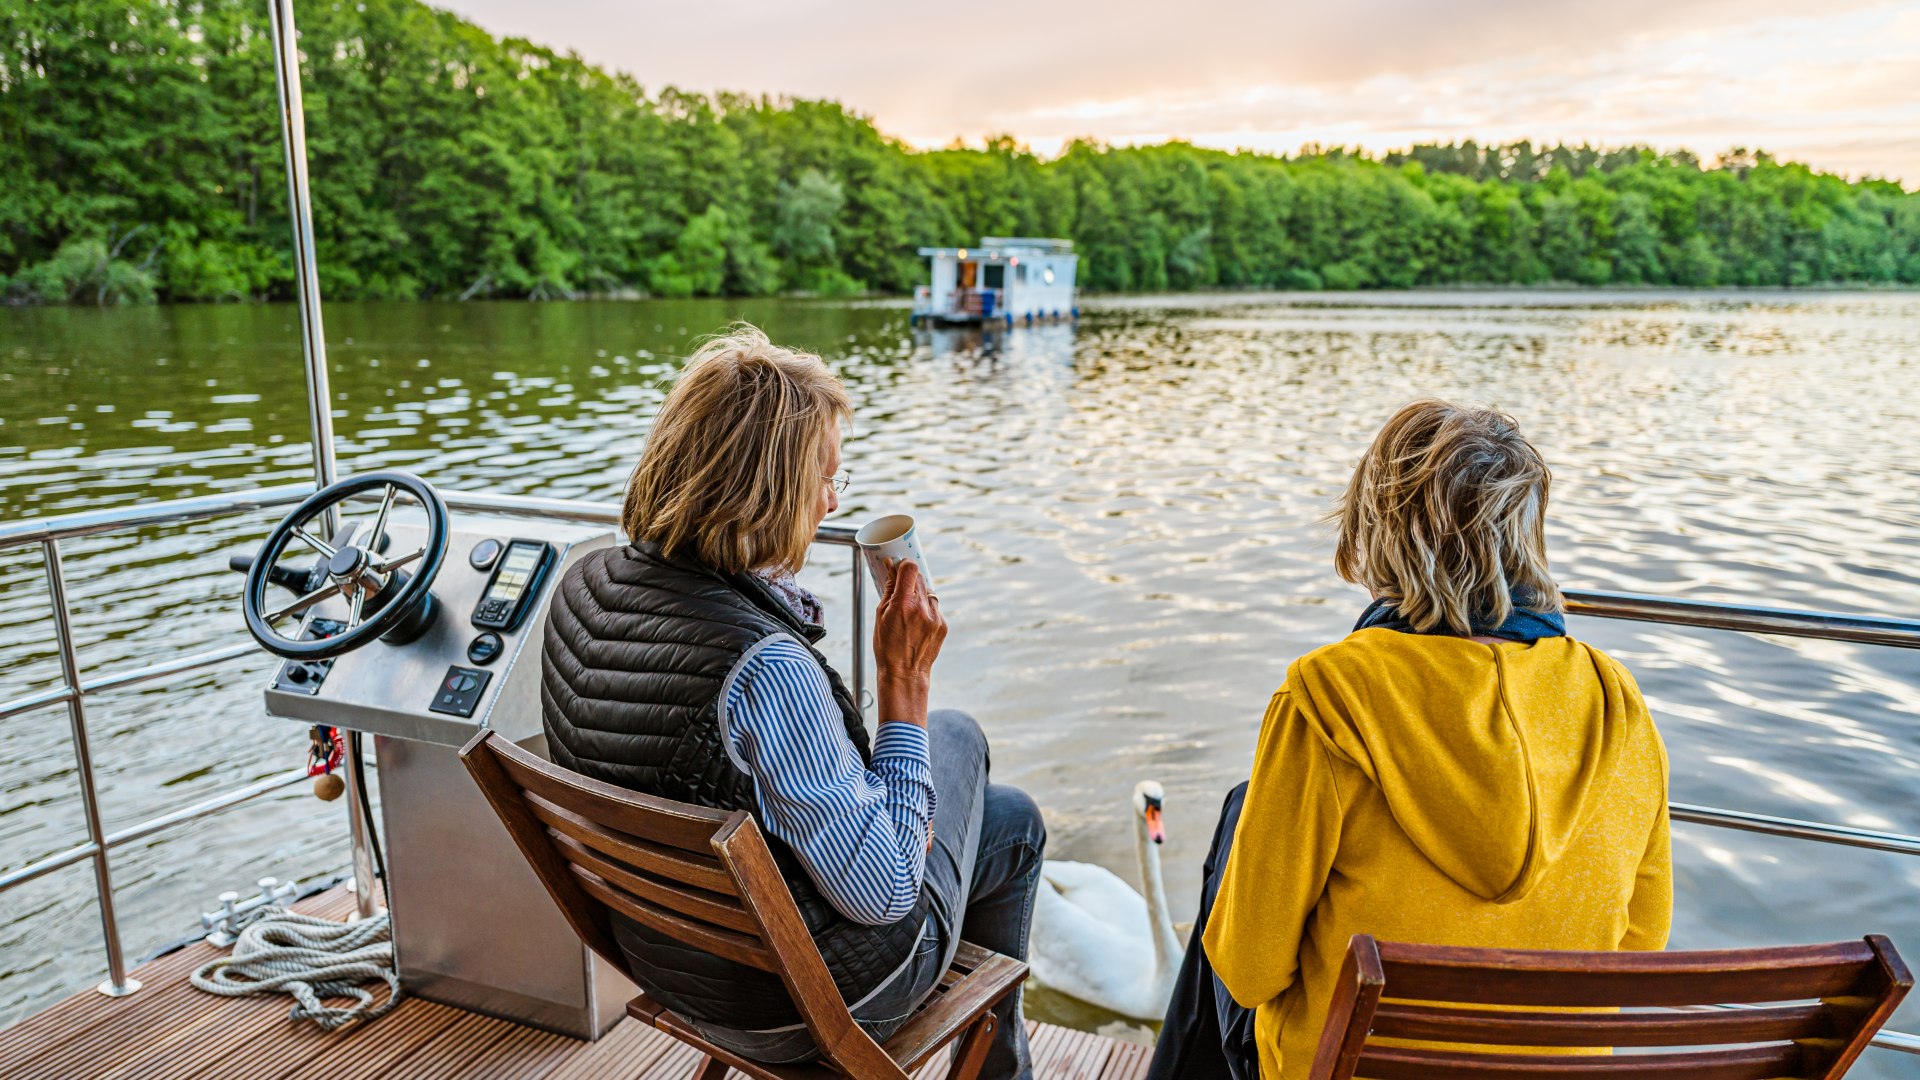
[839, 481]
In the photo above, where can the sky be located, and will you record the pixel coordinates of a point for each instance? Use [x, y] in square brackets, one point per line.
[1834, 83]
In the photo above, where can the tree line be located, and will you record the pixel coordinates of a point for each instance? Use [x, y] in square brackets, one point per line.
[140, 159]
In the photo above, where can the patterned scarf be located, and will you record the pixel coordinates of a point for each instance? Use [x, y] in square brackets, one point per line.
[804, 605]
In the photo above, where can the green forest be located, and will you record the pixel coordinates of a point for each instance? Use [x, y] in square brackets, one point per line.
[141, 157]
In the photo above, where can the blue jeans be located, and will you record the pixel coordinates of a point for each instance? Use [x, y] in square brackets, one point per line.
[981, 876]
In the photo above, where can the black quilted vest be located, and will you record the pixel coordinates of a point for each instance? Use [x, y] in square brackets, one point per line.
[638, 650]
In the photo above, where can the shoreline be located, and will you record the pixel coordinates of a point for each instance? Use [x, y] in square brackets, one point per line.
[1556, 288]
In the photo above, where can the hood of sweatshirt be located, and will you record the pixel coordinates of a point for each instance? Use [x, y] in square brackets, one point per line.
[1491, 757]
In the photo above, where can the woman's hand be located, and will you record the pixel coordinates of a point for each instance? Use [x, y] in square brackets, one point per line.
[907, 633]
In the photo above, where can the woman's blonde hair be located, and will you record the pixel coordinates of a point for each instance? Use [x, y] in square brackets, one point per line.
[732, 469]
[1446, 518]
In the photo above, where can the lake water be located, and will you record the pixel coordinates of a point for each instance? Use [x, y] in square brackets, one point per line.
[1123, 517]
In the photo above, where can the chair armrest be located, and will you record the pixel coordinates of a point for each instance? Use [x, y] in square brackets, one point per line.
[986, 979]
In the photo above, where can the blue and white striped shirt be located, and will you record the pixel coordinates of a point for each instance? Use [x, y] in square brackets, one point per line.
[860, 832]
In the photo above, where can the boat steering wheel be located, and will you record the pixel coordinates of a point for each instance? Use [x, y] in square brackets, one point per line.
[384, 600]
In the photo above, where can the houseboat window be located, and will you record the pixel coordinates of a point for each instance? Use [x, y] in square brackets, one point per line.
[1047, 275]
[996, 275]
[1019, 275]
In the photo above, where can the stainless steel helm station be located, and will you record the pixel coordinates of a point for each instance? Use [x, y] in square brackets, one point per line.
[397, 618]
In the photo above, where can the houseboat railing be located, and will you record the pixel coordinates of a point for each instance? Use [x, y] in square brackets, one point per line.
[1707, 615]
[74, 689]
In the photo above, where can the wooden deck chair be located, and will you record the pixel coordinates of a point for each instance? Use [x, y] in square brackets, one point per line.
[1800, 1011]
[707, 879]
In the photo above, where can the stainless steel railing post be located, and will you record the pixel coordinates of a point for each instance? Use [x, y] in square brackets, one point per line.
[313, 349]
[117, 984]
[357, 825]
[859, 629]
[313, 340]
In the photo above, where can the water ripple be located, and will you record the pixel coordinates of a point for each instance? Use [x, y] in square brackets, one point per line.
[1123, 517]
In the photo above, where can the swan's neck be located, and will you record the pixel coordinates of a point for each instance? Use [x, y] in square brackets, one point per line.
[1166, 944]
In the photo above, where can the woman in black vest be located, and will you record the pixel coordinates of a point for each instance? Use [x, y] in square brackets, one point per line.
[683, 665]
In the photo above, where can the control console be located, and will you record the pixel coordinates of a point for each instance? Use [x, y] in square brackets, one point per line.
[478, 662]
[422, 628]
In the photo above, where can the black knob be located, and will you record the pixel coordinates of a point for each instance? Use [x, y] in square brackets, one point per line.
[484, 648]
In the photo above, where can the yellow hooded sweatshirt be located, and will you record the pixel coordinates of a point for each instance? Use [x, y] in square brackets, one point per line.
[1435, 789]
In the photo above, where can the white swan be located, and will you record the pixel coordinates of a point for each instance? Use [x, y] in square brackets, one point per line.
[1095, 939]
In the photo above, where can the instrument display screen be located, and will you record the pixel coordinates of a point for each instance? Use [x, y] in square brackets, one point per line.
[515, 572]
[517, 577]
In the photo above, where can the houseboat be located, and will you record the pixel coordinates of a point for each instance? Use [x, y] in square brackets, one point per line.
[1006, 280]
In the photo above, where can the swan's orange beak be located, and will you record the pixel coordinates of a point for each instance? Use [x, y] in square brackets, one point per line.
[1155, 830]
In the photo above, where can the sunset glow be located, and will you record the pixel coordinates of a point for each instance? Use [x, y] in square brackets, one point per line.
[1835, 84]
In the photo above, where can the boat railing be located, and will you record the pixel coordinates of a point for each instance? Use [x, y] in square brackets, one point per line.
[75, 688]
[982, 302]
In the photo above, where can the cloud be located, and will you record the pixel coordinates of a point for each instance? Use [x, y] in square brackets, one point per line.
[1828, 82]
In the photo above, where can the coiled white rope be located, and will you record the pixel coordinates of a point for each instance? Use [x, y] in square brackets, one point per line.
[282, 952]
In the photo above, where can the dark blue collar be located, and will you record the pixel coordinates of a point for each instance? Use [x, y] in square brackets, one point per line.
[1523, 625]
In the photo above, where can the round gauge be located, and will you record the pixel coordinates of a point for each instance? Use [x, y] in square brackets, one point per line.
[483, 554]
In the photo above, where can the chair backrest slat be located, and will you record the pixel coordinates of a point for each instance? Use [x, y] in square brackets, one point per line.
[678, 825]
[1837, 996]
[1744, 1063]
[740, 948]
[1623, 979]
[721, 911]
[687, 868]
[1767, 1023]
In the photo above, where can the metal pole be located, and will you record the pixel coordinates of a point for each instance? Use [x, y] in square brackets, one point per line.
[1767, 824]
[313, 349]
[363, 906]
[1708, 615]
[117, 984]
[313, 342]
[859, 630]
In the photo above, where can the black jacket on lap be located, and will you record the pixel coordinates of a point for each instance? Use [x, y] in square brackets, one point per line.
[639, 653]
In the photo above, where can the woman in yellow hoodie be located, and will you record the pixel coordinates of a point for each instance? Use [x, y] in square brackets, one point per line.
[1456, 771]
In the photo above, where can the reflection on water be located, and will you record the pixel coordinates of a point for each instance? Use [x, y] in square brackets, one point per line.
[1123, 516]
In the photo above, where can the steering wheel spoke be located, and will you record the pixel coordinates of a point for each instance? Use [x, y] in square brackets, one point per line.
[380, 521]
[325, 592]
[359, 602]
[326, 550]
[388, 566]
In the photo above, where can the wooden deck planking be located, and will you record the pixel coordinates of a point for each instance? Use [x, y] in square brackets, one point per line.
[107, 1027]
[630, 1049]
[170, 1029]
[453, 1051]
[381, 1046]
[526, 1052]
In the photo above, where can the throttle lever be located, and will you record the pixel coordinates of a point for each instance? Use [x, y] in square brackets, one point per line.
[294, 581]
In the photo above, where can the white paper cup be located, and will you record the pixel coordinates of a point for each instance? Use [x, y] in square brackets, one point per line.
[889, 538]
